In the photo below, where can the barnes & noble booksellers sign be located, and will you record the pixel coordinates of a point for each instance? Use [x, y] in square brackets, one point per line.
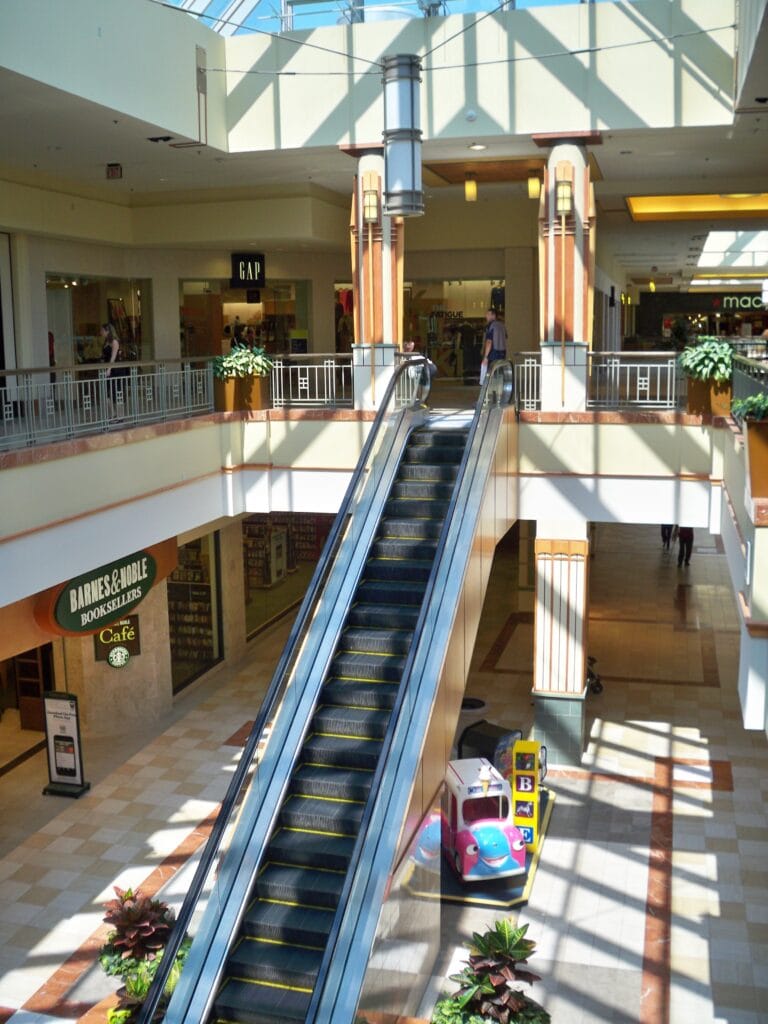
[99, 598]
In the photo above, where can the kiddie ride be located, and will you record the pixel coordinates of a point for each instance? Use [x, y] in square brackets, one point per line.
[479, 835]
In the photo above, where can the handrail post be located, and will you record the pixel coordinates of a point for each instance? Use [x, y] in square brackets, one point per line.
[162, 392]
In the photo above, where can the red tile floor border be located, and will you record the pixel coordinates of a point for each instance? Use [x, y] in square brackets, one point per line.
[50, 998]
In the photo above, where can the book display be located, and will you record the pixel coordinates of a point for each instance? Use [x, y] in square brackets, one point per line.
[280, 551]
[193, 612]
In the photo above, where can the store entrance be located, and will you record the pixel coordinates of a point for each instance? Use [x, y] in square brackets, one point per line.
[24, 680]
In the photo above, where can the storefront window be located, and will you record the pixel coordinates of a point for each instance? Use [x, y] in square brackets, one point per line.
[280, 552]
[214, 315]
[78, 306]
[194, 616]
[446, 319]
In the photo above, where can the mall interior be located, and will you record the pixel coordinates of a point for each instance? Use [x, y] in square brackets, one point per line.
[241, 643]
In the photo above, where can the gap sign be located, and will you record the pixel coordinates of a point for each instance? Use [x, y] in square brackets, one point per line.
[248, 270]
[97, 598]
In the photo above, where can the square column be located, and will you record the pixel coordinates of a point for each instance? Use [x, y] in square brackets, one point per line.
[560, 620]
[364, 395]
[563, 390]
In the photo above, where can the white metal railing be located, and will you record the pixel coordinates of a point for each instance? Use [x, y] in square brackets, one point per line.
[619, 380]
[749, 377]
[56, 403]
[528, 380]
[312, 380]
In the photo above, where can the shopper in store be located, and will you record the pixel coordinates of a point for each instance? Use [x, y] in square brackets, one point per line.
[495, 344]
[110, 354]
[685, 540]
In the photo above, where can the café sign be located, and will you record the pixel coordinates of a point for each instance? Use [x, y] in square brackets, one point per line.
[123, 634]
[248, 270]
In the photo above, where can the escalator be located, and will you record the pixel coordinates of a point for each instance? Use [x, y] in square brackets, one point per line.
[271, 970]
[285, 899]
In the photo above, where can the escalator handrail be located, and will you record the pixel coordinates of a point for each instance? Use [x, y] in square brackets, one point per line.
[502, 368]
[282, 670]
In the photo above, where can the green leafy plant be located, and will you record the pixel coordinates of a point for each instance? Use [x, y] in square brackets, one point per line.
[708, 359]
[142, 926]
[242, 361]
[120, 1015]
[487, 983]
[753, 407]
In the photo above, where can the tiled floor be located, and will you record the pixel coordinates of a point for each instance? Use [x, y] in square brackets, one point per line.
[651, 900]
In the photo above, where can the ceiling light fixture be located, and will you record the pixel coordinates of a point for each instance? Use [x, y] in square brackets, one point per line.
[477, 147]
[534, 186]
[470, 188]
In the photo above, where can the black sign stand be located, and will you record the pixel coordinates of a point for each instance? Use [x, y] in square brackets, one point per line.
[62, 740]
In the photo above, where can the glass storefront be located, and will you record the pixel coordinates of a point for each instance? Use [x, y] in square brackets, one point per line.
[280, 552]
[194, 611]
[79, 305]
[446, 319]
[214, 315]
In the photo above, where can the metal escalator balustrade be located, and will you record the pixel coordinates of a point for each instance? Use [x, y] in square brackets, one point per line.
[271, 972]
[220, 861]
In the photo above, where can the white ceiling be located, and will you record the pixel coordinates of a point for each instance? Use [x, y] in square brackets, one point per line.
[58, 140]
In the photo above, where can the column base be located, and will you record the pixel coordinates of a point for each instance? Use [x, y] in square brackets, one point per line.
[560, 723]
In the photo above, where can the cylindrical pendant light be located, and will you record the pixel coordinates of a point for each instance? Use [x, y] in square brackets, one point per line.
[403, 195]
[470, 188]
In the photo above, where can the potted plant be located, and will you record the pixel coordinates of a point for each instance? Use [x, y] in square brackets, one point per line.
[241, 379]
[487, 986]
[134, 949]
[707, 365]
[752, 412]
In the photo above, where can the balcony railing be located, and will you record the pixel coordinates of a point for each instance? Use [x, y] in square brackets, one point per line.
[312, 380]
[57, 403]
[750, 377]
[528, 380]
[621, 380]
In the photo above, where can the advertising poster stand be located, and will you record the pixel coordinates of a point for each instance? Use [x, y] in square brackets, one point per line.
[62, 740]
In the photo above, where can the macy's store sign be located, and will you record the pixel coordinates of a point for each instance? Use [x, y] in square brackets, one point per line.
[737, 302]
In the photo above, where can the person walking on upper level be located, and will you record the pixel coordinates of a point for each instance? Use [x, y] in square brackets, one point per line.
[495, 344]
[685, 540]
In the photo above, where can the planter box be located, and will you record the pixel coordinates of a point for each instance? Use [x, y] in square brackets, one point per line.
[238, 394]
[756, 440]
[98, 1013]
[705, 398]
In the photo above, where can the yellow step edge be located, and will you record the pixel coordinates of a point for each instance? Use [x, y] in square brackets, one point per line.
[317, 831]
[280, 942]
[305, 867]
[344, 736]
[271, 984]
[293, 903]
[336, 767]
[327, 799]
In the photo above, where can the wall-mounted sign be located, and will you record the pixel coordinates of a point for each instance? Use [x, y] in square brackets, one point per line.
[123, 633]
[62, 737]
[736, 302]
[96, 598]
[101, 597]
[248, 270]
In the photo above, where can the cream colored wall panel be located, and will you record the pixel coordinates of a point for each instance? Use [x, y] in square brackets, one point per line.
[314, 444]
[89, 48]
[26, 208]
[612, 449]
[34, 496]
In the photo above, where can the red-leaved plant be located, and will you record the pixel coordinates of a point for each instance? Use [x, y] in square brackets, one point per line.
[141, 926]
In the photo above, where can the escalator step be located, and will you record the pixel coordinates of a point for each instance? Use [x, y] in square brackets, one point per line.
[250, 1002]
[285, 923]
[291, 883]
[421, 489]
[418, 508]
[392, 526]
[420, 548]
[448, 438]
[441, 472]
[383, 667]
[376, 641]
[292, 846]
[353, 693]
[434, 453]
[345, 721]
[336, 783]
[410, 569]
[341, 751]
[339, 817]
[260, 960]
[386, 592]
